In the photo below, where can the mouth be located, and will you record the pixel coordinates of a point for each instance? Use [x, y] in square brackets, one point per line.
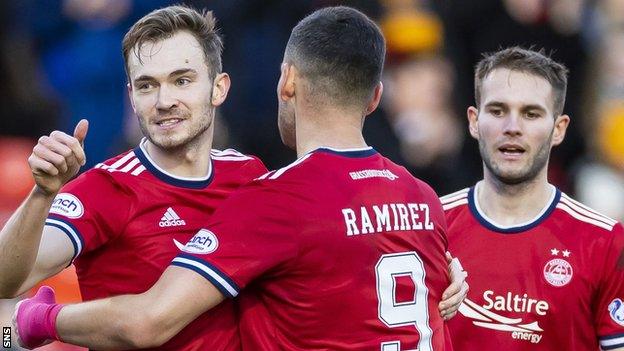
[169, 122]
[511, 150]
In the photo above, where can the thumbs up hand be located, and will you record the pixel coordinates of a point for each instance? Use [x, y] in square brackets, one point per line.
[58, 157]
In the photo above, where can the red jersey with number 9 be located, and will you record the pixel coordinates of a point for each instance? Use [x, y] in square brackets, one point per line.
[341, 250]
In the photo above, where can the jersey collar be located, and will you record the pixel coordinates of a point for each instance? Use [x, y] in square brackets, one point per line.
[353, 153]
[490, 224]
[183, 182]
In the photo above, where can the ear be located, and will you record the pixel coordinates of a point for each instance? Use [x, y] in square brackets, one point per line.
[374, 103]
[559, 130]
[473, 119]
[220, 88]
[286, 84]
[129, 87]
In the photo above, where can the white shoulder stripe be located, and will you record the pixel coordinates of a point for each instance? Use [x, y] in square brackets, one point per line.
[582, 218]
[464, 190]
[227, 152]
[264, 176]
[281, 171]
[135, 161]
[127, 164]
[138, 170]
[587, 213]
[448, 198]
[121, 161]
[586, 209]
[451, 205]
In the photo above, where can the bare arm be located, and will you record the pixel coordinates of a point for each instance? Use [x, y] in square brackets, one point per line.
[26, 258]
[138, 321]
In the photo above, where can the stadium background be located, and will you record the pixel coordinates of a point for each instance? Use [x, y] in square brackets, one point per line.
[61, 61]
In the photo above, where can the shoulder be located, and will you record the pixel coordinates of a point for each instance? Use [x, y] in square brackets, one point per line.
[235, 160]
[230, 155]
[125, 163]
[455, 200]
[97, 189]
[112, 174]
[290, 171]
[578, 213]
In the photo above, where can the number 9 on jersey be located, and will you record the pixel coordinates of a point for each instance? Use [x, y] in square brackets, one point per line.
[398, 314]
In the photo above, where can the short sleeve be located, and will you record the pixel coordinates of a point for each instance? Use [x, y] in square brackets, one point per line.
[251, 234]
[90, 210]
[610, 307]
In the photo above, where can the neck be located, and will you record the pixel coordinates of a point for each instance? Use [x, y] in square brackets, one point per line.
[514, 204]
[335, 128]
[191, 160]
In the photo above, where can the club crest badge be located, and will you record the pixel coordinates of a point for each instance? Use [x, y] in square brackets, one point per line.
[616, 311]
[558, 272]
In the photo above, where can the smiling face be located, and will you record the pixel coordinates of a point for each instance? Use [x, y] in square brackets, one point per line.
[171, 91]
[515, 125]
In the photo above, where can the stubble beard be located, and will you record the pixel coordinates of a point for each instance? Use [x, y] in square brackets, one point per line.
[526, 174]
[175, 143]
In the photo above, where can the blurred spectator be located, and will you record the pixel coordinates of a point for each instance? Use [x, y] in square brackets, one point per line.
[28, 107]
[416, 126]
[600, 178]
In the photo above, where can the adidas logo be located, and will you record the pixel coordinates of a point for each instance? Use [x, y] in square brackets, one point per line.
[171, 219]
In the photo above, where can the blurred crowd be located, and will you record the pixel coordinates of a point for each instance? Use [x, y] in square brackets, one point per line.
[61, 61]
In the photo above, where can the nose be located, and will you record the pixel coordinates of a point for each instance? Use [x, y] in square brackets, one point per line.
[166, 98]
[512, 125]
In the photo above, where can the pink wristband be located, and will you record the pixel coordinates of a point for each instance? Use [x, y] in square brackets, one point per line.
[36, 321]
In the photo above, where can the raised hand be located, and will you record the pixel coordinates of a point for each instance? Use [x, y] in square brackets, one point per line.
[455, 294]
[58, 157]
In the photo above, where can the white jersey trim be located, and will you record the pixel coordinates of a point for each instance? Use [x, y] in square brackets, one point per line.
[587, 211]
[216, 277]
[448, 206]
[151, 161]
[69, 231]
[563, 206]
[281, 171]
[129, 162]
[229, 155]
[546, 207]
[611, 343]
[462, 194]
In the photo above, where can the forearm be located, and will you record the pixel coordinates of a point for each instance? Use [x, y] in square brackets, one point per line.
[20, 239]
[121, 322]
[138, 321]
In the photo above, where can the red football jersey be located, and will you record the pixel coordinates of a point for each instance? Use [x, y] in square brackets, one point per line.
[554, 283]
[127, 219]
[342, 250]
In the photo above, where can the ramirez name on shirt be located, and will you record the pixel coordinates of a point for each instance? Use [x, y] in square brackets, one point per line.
[386, 218]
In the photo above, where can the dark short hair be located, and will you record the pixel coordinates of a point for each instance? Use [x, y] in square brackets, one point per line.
[529, 61]
[165, 22]
[340, 52]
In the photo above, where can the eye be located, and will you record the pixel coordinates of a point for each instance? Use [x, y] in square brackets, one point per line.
[495, 111]
[182, 81]
[144, 86]
[533, 115]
